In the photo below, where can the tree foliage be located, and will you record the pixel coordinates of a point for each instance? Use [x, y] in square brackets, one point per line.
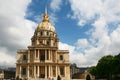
[93, 70]
[106, 67]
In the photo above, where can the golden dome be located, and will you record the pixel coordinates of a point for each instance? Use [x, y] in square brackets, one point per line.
[45, 24]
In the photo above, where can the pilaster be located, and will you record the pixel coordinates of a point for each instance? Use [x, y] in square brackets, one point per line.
[28, 71]
[38, 71]
[34, 71]
[20, 72]
[45, 71]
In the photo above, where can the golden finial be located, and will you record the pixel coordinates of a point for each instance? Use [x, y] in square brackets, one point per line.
[45, 16]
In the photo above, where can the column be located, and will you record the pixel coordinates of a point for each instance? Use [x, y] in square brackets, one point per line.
[65, 70]
[44, 42]
[20, 72]
[28, 71]
[49, 71]
[34, 71]
[38, 54]
[49, 54]
[56, 58]
[45, 71]
[56, 71]
[17, 71]
[28, 56]
[45, 55]
[38, 71]
[35, 55]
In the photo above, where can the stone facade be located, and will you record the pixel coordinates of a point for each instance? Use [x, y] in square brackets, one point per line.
[42, 59]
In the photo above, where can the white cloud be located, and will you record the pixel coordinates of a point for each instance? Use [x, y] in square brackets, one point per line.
[55, 4]
[115, 41]
[89, 9]
[53, 18]
[85, 9]
[6, 59]
[81, 43]
[16, 31]
[64, 46]
[103, 39]
[76, 56]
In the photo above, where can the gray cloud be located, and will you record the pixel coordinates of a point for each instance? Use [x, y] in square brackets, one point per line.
[15, 30]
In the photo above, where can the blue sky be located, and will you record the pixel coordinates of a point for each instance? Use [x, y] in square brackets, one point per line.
[89, 29]
[67, 28]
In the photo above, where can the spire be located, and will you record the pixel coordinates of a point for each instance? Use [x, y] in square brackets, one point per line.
[45, 16]
[45, 10]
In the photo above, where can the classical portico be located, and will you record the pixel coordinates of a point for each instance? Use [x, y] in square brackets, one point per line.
[42, 59]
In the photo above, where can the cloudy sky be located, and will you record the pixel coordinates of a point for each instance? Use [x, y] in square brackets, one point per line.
[89, 29]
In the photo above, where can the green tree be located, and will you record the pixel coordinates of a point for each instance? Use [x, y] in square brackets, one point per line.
[104, 67]
[107, 67]
[93, 70]
[116, 64]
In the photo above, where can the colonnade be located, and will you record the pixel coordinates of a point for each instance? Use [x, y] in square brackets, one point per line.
[48, 54]
[46, 70]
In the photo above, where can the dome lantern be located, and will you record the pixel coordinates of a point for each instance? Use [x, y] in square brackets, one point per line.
[45, 24]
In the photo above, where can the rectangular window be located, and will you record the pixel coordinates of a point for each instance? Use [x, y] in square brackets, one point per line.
[42, 55]
[61, 57]
[31, 71]
[62, 71]
[48, 43]
[47, 33]
[54, 71]
[37, 53]
[41, 33]
[23, 71]
[24, 57]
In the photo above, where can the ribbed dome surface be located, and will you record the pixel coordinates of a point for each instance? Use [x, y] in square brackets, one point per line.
[45, 26]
